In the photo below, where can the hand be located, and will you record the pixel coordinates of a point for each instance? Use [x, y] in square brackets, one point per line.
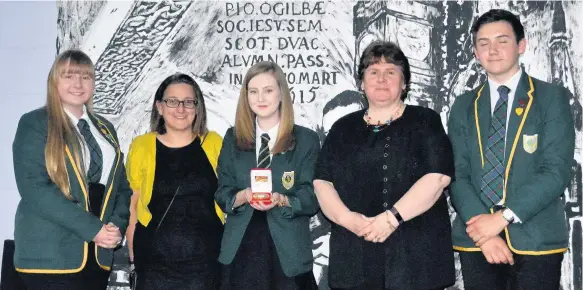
[379, 230]
[483, 227]
[108, 237]
[496, 251]
[260, 205]
[354, 222]
[111, 227]
[242, 197]
[280, 199]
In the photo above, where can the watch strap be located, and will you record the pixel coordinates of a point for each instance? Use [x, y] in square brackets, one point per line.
[397, 215]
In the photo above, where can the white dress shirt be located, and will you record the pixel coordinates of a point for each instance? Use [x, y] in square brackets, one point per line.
[272, 138]
[512, 84]
[107, 150]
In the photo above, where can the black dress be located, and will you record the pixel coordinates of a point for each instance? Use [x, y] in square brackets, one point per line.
[382, 167]
[180, 251]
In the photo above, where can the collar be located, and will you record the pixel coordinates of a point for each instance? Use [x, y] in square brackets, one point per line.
[512, 83]
[74, 119]
[271, 132]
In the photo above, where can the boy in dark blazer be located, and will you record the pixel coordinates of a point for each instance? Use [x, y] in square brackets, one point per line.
[513, 140]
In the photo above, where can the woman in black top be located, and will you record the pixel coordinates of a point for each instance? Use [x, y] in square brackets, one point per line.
[178, 231]
[380, 178]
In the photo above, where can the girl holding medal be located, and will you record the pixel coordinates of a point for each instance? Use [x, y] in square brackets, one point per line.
[267, 245]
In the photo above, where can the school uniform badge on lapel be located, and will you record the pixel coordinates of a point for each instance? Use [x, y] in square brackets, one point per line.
[521, 105]
[106, 134]
[530, 143]
[287, 179]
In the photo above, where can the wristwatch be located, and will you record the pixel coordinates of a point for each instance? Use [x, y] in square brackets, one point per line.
[397, 215]
[506, 213]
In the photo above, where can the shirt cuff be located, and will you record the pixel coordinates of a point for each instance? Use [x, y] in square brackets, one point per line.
[238, 209]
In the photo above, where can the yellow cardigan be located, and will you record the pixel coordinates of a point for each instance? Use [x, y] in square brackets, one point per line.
[141, 165]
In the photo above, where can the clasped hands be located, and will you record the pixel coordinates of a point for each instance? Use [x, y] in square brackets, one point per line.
[246, 195]
[108, 237]
[373, 229]
[484, 230]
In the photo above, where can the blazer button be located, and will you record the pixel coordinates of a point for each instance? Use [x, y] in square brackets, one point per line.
[385, 205]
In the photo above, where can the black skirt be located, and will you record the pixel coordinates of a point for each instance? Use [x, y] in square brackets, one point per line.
[256, 265]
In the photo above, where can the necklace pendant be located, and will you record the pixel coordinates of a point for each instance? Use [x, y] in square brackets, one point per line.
[376, 129]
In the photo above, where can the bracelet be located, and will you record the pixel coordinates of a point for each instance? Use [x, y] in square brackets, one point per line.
[397, 215]
[282, 201]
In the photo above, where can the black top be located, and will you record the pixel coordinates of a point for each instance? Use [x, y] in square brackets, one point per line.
[371, 172]
[191, 230]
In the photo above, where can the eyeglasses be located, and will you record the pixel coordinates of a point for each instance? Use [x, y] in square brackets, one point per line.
[174, 103]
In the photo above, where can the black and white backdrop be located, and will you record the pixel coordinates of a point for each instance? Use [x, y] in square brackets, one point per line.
[136, 44]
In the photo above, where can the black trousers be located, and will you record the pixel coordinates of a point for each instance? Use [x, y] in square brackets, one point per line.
[528, 272]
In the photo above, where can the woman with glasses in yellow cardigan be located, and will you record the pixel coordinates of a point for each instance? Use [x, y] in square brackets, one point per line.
[175, 226]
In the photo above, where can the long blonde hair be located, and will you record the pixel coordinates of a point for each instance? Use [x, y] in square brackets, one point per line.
[245, 118]
[61, 131]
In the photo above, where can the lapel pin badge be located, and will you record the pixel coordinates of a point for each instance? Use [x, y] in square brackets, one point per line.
[521, 105]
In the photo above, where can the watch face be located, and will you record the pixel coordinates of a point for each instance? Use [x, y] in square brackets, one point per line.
[507, 215]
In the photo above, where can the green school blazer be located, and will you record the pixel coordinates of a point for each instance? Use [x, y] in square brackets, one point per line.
[51, 232]
[292, 173]
[539, 152]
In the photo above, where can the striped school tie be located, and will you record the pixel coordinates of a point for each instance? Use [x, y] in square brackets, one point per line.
[264, 160]
[96, 162]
